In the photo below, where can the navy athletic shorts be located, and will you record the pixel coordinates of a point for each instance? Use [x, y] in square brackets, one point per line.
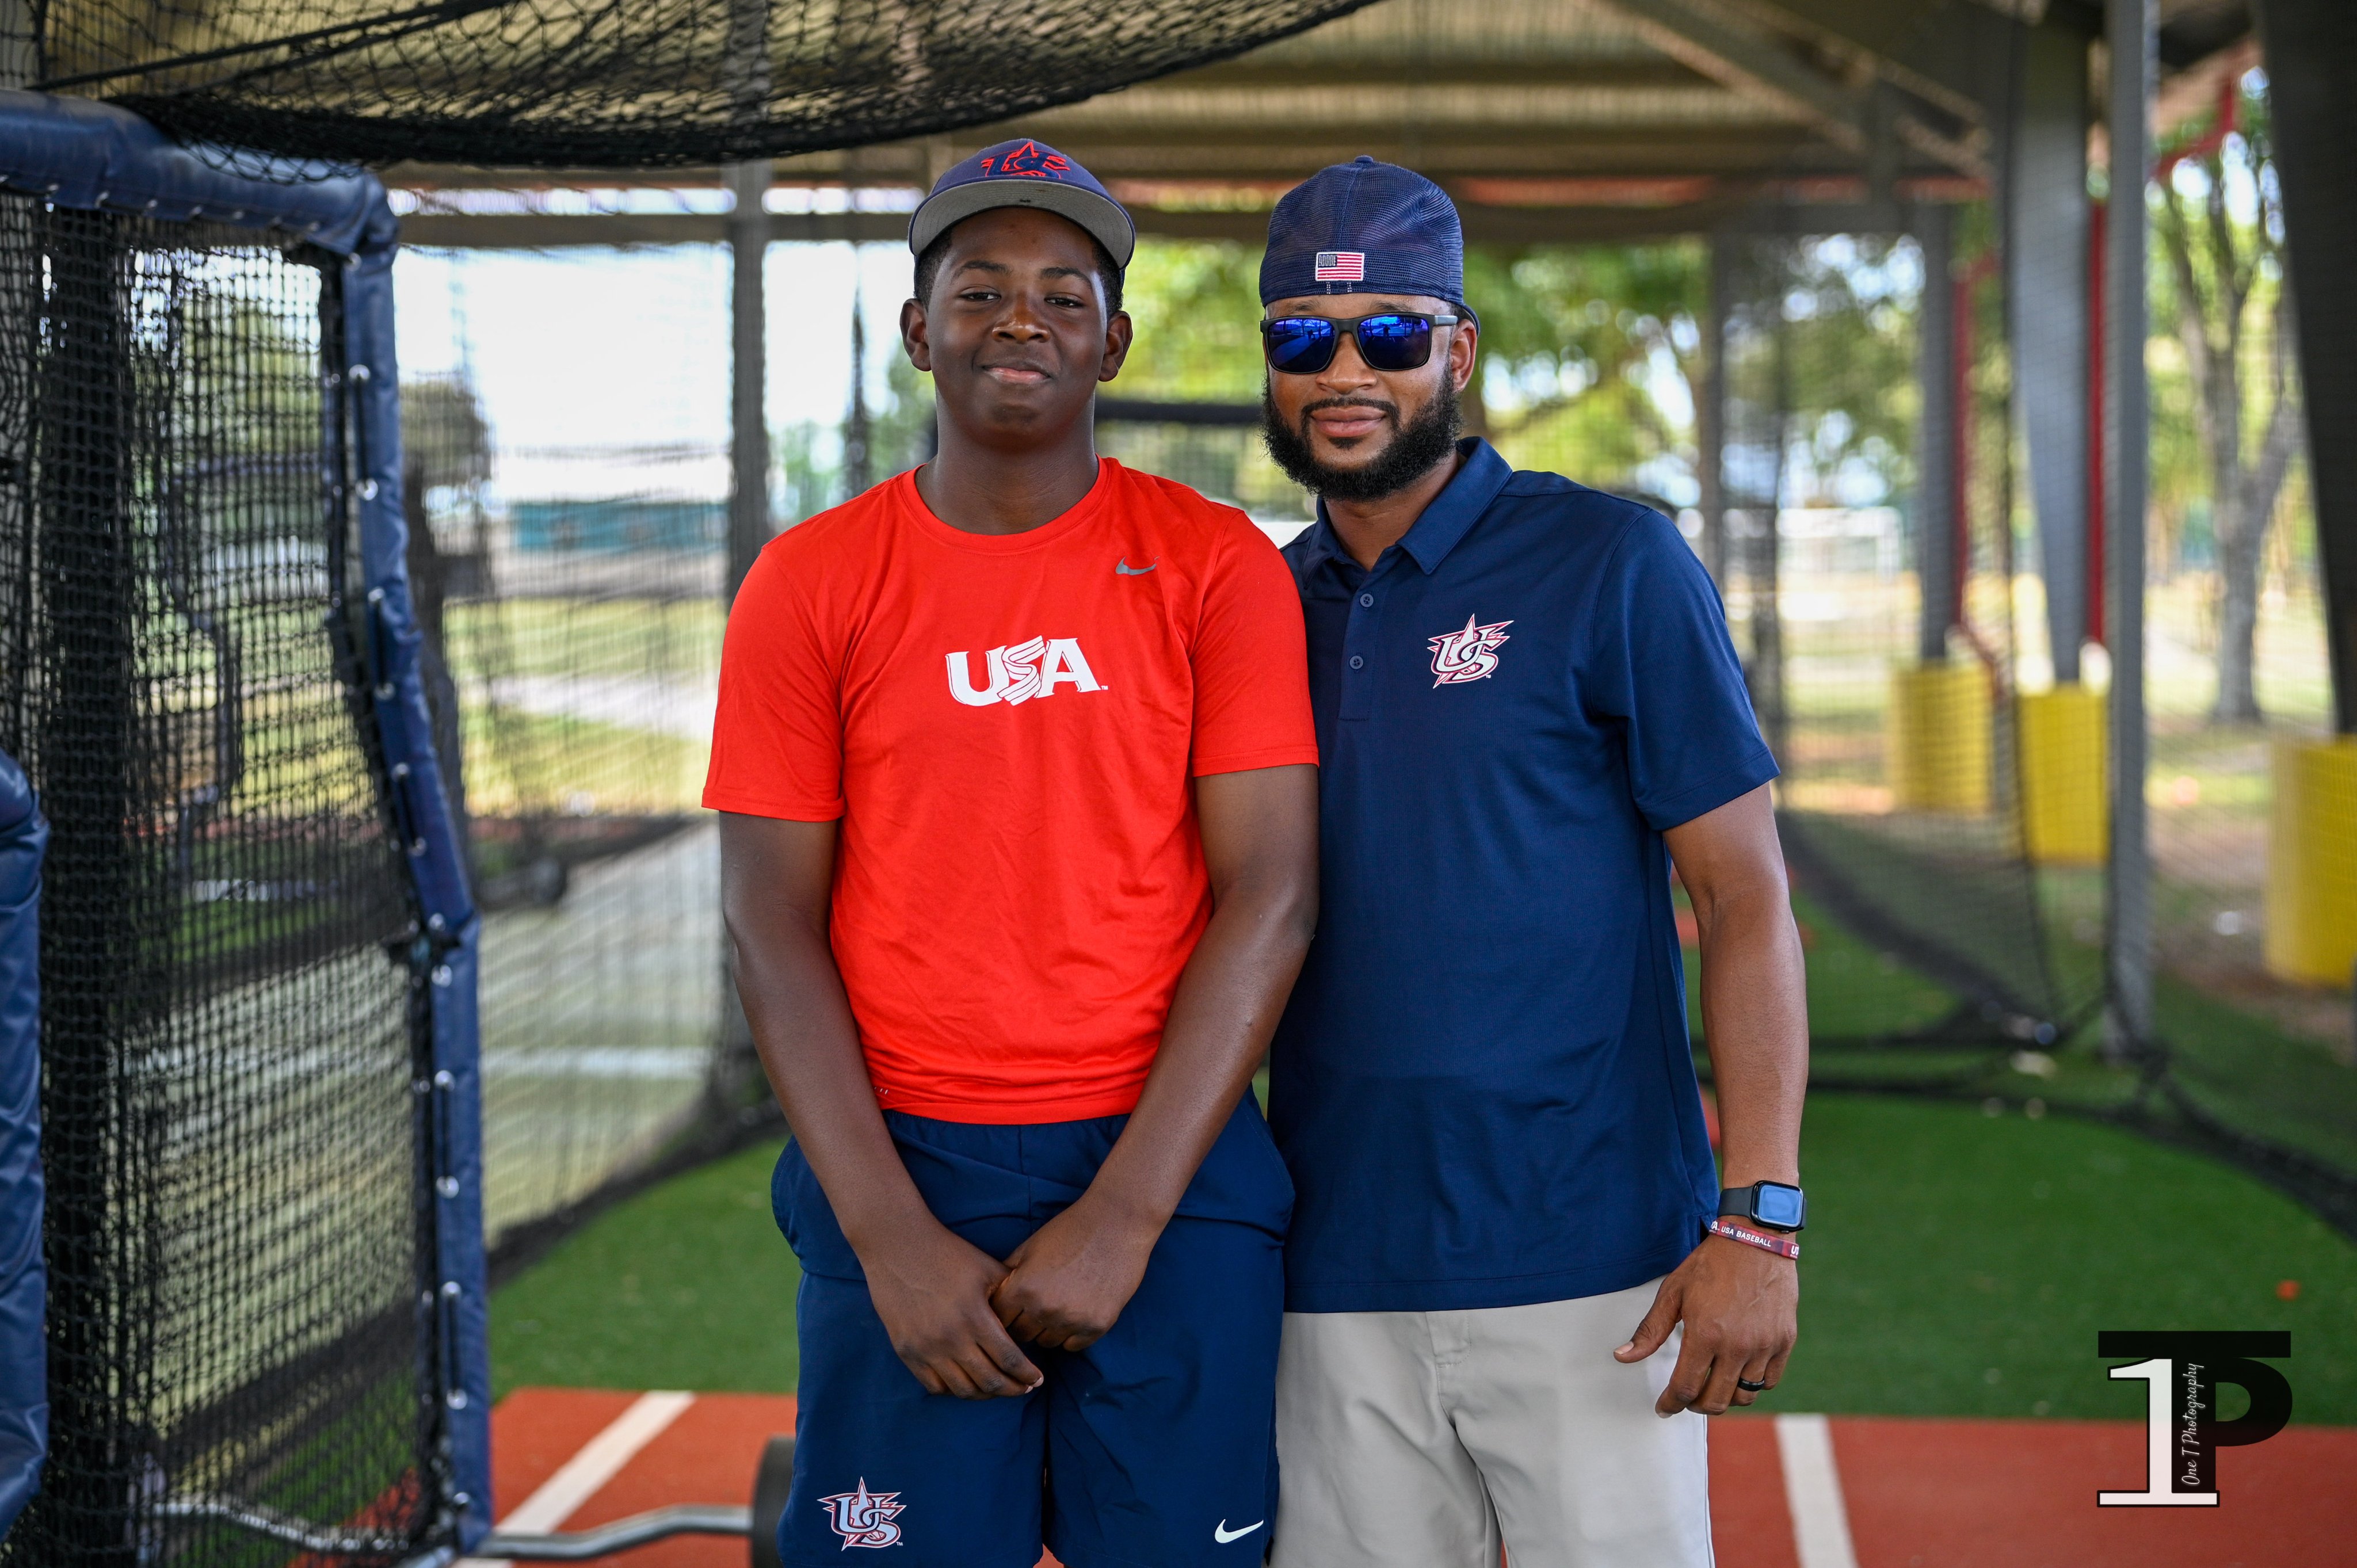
[1153, 1448]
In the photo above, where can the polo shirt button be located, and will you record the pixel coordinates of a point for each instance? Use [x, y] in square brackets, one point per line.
[1357, 662]
[1366, 598]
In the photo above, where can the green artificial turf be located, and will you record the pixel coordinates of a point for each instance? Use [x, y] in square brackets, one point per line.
[1958, 1263]
[688, 1286]
[1856, 989]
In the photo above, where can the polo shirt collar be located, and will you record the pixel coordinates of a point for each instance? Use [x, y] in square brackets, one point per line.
[1446, 521]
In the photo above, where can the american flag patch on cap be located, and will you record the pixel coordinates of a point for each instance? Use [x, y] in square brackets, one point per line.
[1340, 266]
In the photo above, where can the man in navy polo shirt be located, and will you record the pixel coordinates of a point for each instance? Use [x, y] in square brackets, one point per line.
[1529, 712]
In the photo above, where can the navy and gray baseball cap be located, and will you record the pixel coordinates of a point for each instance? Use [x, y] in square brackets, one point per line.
[1024, 173]
[1365, 228]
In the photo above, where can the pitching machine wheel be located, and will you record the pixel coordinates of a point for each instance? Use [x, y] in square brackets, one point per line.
[772, 1483]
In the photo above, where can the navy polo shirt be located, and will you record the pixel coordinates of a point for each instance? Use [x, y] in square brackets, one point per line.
[1482, 1083]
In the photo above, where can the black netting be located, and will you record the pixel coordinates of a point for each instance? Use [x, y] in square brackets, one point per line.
[1214, 447]
[233, 1238]
[580, 83]
[1945, 802]
[1901, 801]
[573, 600]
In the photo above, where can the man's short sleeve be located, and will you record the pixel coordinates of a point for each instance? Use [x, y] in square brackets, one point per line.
[777, 737]
[1662, 663]
[1251, 663]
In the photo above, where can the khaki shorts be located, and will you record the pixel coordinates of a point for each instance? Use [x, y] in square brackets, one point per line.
[1429, 1439]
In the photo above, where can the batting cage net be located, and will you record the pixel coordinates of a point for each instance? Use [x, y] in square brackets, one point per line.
[574, 598]
[230, 1145]
[557, 83]
[254, 1327]
[1883, 534]
[1893, 714]
[568, 546]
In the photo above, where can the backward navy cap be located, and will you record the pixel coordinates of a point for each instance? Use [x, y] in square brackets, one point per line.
[1364, 227]
[1024, 173]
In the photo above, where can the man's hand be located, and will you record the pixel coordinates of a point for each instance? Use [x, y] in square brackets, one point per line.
[1740, 1307]
[1739, 1304]
[933, 1291]
[1070, 1280]
[1065, 1285]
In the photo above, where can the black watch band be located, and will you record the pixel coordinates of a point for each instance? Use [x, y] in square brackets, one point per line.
[1772, 1204]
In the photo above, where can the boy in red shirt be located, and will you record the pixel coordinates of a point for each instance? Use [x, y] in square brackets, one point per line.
[1020, 857]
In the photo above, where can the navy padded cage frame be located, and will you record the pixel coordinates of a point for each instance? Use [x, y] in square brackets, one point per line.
[81, 173]
[24, 1362]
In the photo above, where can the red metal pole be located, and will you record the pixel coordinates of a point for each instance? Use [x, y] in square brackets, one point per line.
[2098, 238]
[1961, 432]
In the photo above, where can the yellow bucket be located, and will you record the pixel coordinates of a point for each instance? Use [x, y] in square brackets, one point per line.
[2065, 808]
[1937, 735]
[2312, 862]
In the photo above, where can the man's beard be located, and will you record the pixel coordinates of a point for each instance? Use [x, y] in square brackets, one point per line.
[1415, 447]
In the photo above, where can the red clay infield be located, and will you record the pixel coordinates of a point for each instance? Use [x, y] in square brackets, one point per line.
[1918, 1494]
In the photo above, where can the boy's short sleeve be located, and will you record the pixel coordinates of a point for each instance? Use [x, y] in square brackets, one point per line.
[1251, 663]
[1663, 664]
[777, 736]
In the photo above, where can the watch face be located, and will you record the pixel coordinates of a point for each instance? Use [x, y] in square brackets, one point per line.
[1778, 1205]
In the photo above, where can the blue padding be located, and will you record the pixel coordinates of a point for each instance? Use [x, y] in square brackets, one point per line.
[437, 864]
[458, 1225]
[24, 1283]
[88, 154]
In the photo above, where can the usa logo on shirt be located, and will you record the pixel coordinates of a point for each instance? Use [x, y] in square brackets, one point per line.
[1340, 266]
[1468, 654]
[1016, 673]
[864, 1517]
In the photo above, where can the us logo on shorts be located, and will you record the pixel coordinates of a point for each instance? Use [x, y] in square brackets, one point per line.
[864, 1517]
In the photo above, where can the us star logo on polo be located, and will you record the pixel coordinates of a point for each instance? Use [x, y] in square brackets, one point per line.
[1017, 672]
[1470, 654]
[864, 1517]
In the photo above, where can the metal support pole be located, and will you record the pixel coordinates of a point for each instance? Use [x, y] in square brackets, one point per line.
[859, 468]
[1710, 418]
[744, 70]
[2135, 27]
[2308, 47]
[1764, 539]
[1935, 467]
[2046, 255]
[749, 425]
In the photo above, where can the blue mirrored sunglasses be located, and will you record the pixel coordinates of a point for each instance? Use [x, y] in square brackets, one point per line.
[1394, 340]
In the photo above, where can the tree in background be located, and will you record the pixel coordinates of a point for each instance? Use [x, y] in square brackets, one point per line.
[1595, 358]
[2218, 213]
[1196, 304]
[1849, 305]
[1594, 354]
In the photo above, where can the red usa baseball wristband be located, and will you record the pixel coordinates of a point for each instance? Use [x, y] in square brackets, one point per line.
[1782, 1246]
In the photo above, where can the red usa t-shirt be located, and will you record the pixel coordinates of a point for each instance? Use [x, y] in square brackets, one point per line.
[1007, 726]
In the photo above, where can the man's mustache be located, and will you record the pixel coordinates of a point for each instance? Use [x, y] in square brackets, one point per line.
[1388, 410]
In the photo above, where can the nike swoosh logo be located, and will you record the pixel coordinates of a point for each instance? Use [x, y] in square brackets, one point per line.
[1124, 569]
[1223, 1534]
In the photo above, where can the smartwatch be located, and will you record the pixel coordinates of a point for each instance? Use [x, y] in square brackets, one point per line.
[1769, 1203]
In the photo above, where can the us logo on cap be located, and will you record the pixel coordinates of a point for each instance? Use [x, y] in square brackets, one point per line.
[1340, 266]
